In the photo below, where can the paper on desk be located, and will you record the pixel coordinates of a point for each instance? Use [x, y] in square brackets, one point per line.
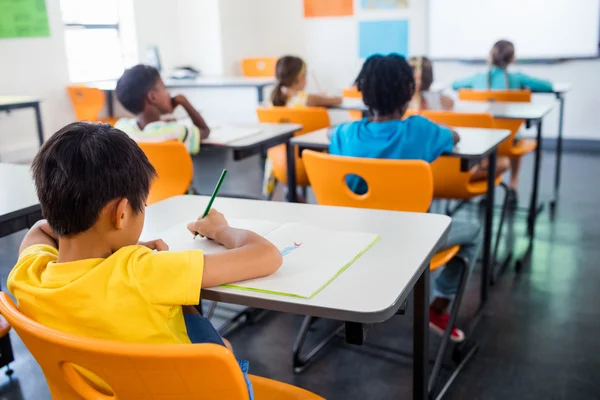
[312, 256]
[226, 134]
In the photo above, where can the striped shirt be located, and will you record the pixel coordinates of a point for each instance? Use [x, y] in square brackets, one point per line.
[160, 131]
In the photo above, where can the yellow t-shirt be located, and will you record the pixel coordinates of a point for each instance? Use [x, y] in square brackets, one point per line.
[135, 295]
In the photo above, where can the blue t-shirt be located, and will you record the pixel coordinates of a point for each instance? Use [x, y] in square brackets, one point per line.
[415, 138]
[498, 77]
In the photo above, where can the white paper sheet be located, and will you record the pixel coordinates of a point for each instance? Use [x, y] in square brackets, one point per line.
[312, 256]
[225, 134]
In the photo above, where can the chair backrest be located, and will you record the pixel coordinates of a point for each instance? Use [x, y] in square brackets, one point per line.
[495, 95]
[400, 185]
[87, 102]
[352, 93]
[460, 120]
[132, 371]
[311, 119]
[173, 166]
[259, 67]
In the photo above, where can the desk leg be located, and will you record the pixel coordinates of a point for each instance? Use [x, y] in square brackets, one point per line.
[421, 337]
[110, 104]
[292, 196]
[38, 120]
[559, 144]
[260, 95]
[488, 228]
[533, 206]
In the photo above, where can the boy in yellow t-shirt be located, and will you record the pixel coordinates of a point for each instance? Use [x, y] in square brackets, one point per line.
[83, 270]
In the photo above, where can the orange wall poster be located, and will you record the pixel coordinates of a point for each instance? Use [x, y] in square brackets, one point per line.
[328, 8]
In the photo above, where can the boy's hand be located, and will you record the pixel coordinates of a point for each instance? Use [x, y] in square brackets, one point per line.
[158, 245]
[209, 226]
[179, 100]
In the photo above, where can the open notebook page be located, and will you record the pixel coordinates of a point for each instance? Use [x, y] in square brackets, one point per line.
[312, 256]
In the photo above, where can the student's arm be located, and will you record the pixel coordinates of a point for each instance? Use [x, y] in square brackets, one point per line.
[446, 102]
[455, 136]
[249, 256]
[465, 83]
[315, 100]
[195, 116]
[40, 233]
[535, 84]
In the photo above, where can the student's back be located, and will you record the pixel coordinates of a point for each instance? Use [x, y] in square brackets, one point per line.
[498, 77]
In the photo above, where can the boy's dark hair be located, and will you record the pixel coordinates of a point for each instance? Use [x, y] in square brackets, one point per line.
[386, 82]
[84, 166]
[134, 85]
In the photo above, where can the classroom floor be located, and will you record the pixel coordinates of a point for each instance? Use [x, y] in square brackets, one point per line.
[539, 336]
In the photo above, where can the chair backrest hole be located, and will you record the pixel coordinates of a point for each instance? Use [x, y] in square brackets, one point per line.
[356, 184]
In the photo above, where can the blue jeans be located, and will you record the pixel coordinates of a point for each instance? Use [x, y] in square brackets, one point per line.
[466, 234]
[200, 330]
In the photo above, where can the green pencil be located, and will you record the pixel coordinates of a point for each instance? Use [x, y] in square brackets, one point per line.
[214, 195]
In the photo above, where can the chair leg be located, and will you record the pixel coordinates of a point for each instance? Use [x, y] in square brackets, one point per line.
[451, 321]
[304, 191]
[301, 361]
[211, 310]
[494, 276]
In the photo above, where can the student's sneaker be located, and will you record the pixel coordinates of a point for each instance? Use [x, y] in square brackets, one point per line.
[438, 324]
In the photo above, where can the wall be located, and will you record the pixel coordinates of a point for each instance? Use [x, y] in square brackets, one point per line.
[34, 67]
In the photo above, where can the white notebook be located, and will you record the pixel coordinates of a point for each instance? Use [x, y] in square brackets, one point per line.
[312, 256]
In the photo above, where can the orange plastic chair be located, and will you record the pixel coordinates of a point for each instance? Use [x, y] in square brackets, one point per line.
[311, 119]
[88, 103]
[139, 371]
[353, 93]
[174, 168]
[412, 190]
[449, 181]
[509, 147]
[259, 67]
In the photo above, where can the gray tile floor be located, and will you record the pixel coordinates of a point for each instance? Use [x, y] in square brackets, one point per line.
[538, 336]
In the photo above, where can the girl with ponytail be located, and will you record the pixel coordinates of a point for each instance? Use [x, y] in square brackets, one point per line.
[501, 57]
[290, 73]
[424, 99]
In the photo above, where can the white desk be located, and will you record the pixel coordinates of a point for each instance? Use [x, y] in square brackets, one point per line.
[9, 103]
[271, 135]
[18, 199]
[201, 82]
[475, 145]
[371, 290]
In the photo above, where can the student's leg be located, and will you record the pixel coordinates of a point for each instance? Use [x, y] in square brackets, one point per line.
[467, 235]
[200, 330]
[480, 172]
[515, 168]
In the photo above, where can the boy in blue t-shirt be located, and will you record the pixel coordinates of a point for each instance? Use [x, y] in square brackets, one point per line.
[387, 85]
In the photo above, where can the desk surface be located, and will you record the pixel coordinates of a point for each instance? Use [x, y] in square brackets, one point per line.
[17, 100]
[268, 132]
[17, 193]
[504, 110]
[475, 143]
[203, 81]
[370, 290]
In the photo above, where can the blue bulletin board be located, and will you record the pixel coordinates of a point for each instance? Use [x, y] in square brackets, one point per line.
[383, 37]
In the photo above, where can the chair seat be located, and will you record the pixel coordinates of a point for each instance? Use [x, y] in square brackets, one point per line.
[4, 327]
[522, 147]
[478, 188]
[268, 389]
[442, 257]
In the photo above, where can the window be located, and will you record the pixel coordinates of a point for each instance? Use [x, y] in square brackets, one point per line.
[99, 38]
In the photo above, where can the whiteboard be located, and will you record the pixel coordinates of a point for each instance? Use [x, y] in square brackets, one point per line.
[540, 29]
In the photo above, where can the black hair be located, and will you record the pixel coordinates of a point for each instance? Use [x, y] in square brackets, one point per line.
[502, 54]
[387, 83]
[287, 70]
[134, 85]
[83, 167]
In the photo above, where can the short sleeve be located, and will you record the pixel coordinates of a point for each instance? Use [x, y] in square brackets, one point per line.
[465, 83]
[437, 139]
[335, 147]
[534, 84]
[169, 278]
[38, 250]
